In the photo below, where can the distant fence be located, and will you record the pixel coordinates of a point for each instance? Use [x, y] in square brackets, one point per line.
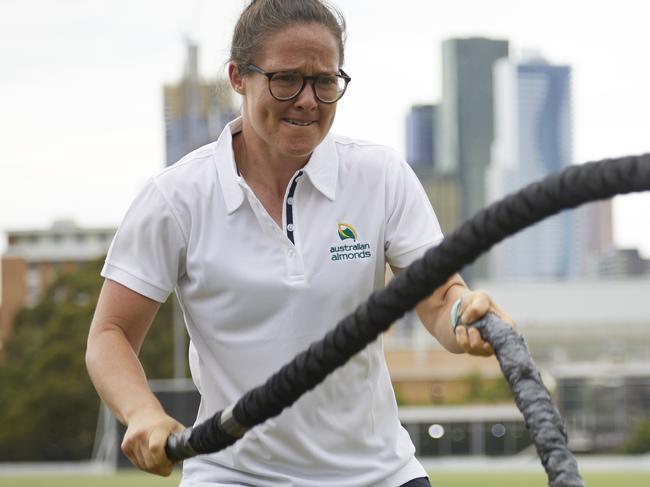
[485, 430]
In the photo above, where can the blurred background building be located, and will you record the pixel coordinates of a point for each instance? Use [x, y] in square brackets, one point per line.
[421, 123]
[532, 139]
[196, 111]
[466, 127]
[34, 258]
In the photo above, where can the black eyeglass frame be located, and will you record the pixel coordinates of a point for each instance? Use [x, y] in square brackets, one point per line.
[341, 74]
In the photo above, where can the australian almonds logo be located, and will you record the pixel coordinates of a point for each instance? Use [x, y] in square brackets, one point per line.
[347, 231]
[357, 250]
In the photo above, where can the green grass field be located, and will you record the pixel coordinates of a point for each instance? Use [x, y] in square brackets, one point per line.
[136, 479]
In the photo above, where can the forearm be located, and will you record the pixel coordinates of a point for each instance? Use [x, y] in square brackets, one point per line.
[435, 312]
[117, 374]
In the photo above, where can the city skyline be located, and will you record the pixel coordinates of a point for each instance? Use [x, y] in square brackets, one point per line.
[83, 127]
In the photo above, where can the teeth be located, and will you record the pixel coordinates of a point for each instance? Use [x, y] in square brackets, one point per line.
[297, 122]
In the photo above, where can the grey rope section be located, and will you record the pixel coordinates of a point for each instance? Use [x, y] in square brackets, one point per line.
[568, 189]
[533, 400]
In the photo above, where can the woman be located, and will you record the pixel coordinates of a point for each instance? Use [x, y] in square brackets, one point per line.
[270, 235]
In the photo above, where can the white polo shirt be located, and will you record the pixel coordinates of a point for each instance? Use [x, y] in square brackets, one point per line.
[254, 295]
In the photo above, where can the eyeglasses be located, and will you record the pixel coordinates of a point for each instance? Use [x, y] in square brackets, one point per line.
[287, 85]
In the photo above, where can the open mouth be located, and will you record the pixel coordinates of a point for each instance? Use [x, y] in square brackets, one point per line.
[299, 123]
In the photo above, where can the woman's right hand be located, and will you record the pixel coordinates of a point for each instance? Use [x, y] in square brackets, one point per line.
[145, 438]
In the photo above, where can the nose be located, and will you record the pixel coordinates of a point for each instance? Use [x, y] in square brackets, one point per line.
[306, 99]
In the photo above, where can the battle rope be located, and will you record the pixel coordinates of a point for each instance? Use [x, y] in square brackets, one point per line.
[570, 188]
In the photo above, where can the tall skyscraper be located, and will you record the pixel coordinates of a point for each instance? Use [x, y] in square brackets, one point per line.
[195, 111]
[421, 136]
[466, 120]
[532, 140]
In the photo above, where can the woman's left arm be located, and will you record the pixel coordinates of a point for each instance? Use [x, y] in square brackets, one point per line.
[435, 314]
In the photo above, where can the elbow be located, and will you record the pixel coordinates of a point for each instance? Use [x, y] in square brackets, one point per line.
[96, 346]
[91, 353]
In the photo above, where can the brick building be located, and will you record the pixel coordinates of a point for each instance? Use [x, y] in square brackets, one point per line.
[34, 258]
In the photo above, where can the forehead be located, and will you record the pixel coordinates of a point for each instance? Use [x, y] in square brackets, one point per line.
[302, 46]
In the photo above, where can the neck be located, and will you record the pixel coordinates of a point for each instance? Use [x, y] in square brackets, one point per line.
[261, 168]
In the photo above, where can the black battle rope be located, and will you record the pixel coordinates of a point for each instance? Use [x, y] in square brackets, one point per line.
[570, 188]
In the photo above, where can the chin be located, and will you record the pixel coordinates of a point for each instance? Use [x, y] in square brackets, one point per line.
[302, 149]
[299, 152]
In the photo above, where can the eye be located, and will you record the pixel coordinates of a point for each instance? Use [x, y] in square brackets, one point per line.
[287, 78]
[325, 80]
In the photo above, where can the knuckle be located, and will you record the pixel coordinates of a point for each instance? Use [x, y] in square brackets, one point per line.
[126, 447]
[155, 448]
[482, 294]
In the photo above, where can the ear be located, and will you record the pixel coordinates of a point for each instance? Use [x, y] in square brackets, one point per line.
[236, 79]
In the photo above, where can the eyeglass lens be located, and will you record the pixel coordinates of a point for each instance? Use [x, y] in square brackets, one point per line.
[329, 88]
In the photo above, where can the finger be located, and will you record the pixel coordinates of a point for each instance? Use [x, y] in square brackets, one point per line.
[157, 441]
[151, 465]
[472, 343]
[135, 456]
[476, 305]
[127, 449]
[462, 338]
[475, 340]
[478, 346]
[503, 315]
[487, 349]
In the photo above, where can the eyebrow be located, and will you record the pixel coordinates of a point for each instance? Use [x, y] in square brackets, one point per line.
[289, 70]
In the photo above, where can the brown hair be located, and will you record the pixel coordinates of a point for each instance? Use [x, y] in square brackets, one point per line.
[264, 17]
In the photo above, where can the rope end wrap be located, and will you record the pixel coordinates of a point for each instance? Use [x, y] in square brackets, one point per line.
[178, 446]
[455, 314]
[230, 425]
[212, 435]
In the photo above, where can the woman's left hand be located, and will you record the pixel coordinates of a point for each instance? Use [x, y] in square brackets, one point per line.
[475, 305]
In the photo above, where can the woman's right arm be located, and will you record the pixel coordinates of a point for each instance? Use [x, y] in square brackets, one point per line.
[122, 319]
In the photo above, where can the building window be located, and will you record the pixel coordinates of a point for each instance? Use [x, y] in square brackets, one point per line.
[34, 284]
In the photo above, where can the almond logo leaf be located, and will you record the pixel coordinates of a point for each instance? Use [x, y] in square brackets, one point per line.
[347, 231]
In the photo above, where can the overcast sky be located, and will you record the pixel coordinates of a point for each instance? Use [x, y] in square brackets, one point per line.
[81, 125]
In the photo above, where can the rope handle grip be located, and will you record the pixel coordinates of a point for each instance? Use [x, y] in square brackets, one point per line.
[178, 446]
[221, 430]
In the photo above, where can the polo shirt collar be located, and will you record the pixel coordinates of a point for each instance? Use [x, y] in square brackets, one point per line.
[321, 169]
[227, 169]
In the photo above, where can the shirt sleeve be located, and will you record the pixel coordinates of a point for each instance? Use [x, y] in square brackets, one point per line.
[147, 254]
[411, 226]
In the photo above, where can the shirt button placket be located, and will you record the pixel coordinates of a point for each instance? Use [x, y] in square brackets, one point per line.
[295, 265]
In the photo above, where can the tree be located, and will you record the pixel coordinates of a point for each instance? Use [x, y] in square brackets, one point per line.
[639, 439]
[48, 407]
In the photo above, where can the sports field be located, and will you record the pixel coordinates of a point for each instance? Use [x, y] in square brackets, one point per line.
[135, 479]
